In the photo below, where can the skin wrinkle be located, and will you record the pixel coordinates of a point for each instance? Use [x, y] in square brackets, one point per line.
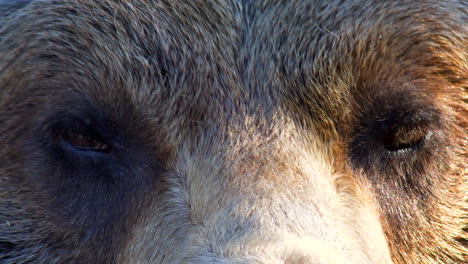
[244, 131]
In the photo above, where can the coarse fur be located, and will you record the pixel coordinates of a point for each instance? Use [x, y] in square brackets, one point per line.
[234, 131]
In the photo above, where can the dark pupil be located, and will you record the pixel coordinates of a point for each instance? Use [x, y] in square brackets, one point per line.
[85, 142]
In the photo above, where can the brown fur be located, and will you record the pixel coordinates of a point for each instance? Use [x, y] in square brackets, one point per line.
[242, 131]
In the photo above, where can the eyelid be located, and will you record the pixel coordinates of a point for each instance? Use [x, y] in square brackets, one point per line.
[86, 142]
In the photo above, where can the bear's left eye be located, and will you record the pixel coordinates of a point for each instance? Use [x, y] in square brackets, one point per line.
[85, 142]
[403, 138]
[396, 140]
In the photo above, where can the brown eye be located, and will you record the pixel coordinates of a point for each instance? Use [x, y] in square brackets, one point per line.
[85, 142]
[404, 138]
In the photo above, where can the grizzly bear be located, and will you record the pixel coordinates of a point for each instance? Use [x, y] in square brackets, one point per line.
[233, 131]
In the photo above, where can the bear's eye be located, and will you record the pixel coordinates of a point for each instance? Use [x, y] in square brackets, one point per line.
[85, 142]
[398, 137]
[401, 139]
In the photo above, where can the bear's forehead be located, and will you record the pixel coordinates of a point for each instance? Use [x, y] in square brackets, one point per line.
[240, 58]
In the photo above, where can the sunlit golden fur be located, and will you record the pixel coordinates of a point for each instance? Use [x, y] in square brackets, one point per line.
[297, 132]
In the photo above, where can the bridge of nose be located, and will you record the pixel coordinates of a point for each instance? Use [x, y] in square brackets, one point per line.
[246, 193]
[255, 182]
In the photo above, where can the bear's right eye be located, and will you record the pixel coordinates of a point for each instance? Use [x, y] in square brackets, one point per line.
[403, 139]
[85, 142]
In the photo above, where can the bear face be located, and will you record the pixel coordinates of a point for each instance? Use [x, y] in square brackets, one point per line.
[233, 131]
